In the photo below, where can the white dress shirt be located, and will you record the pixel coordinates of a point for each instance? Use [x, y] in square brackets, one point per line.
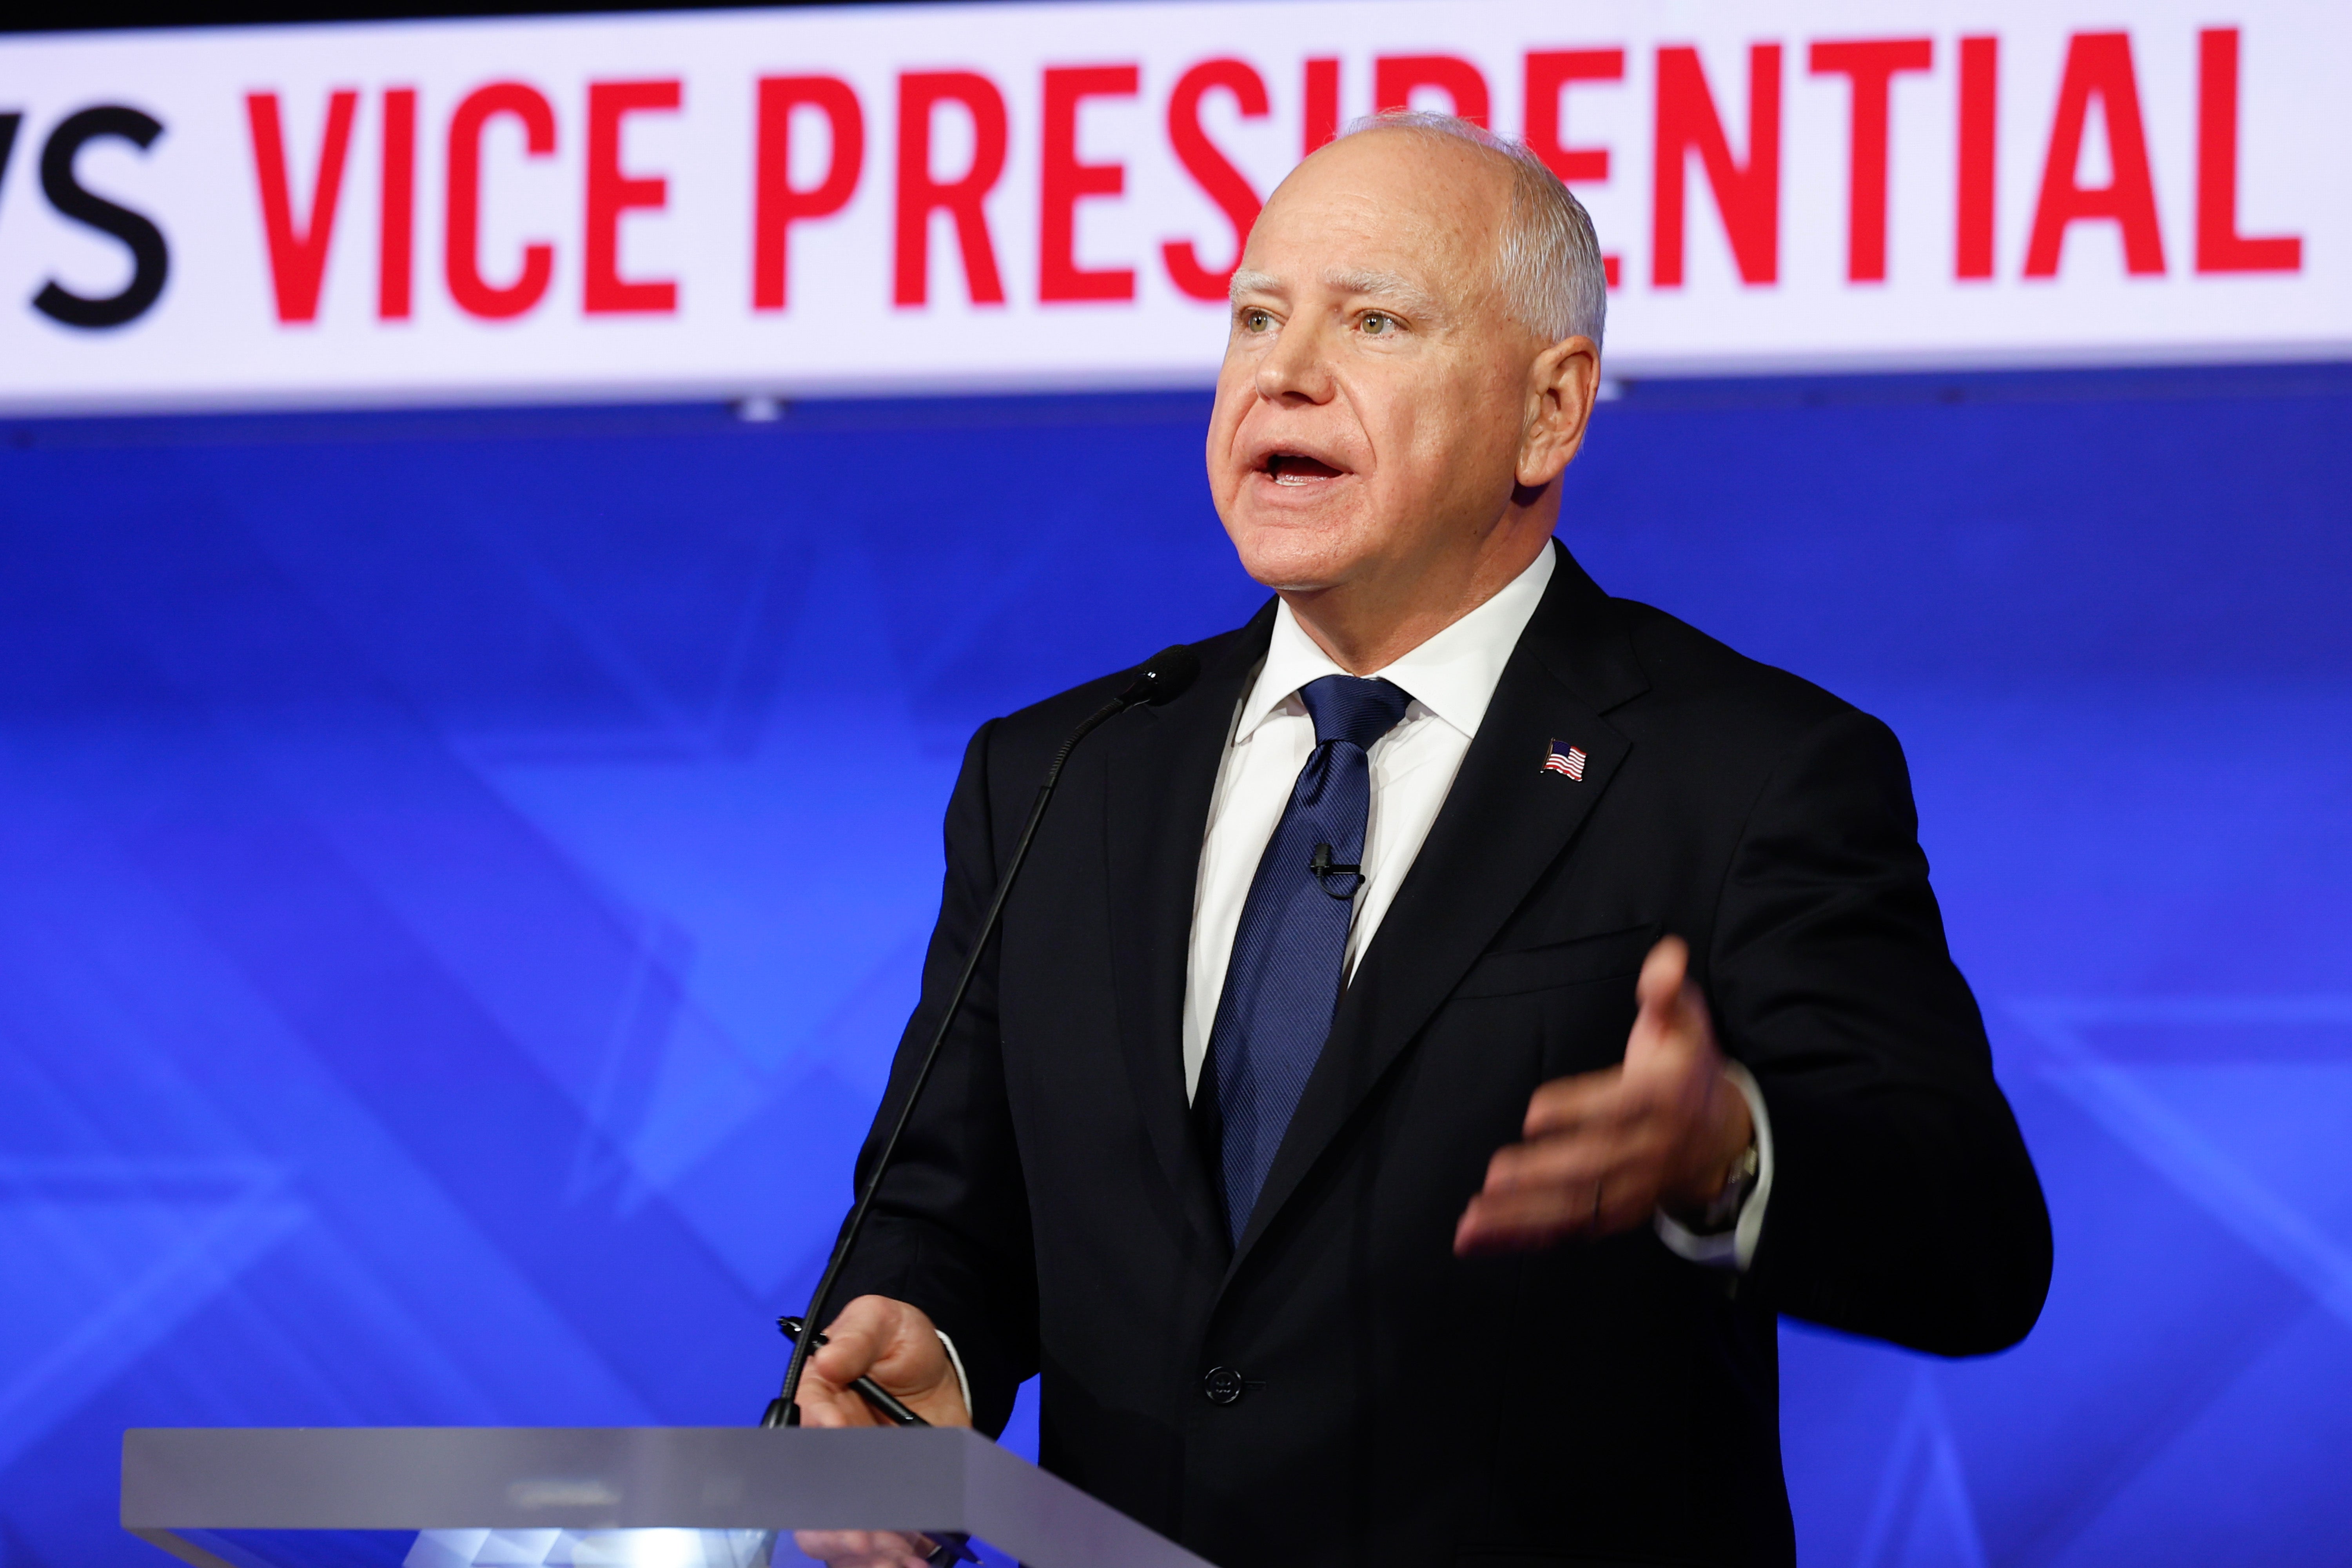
[1451, 680]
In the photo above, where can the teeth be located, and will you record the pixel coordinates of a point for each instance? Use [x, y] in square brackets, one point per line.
[1284, 469]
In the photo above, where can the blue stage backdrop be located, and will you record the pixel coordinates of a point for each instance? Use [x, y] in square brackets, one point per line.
[461, 876]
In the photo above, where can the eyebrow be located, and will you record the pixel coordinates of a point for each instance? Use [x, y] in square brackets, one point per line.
[1245, 281]
[1375, 284]
[1378, 284]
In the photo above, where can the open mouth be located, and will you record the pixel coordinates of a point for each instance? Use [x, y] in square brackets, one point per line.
[1297, 469]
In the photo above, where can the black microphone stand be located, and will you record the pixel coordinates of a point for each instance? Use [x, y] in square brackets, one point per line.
[1168, 674]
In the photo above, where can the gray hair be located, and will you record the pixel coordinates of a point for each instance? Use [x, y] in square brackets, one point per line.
[1549, 267]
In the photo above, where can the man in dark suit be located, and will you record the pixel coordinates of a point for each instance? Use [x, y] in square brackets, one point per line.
[1422, 1059]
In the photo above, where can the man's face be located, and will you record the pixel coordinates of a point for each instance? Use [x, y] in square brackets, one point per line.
[1374, 392]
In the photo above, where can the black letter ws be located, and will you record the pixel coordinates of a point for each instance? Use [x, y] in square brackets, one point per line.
[151, 261]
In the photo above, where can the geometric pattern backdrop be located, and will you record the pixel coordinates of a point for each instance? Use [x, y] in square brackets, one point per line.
[461, 875]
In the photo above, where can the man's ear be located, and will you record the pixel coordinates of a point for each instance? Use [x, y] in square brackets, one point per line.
[1561, 385]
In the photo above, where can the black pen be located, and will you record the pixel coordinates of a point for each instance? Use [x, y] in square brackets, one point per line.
[887, 1404]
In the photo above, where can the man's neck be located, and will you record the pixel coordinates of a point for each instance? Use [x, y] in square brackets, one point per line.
[1367, 626]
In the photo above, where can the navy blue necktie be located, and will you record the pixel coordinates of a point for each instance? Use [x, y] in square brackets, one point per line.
[1282, 986]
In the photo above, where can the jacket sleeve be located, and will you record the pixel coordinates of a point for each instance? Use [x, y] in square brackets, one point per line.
[949, 1228]
[1903, 1204]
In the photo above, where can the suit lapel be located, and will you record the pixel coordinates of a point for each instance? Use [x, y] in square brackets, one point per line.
[1505, 821]
[1161, 766]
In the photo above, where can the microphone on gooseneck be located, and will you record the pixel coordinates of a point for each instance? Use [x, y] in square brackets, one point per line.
[1163, 678]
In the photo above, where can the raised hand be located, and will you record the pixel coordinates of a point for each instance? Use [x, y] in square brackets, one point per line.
[1605, 1150]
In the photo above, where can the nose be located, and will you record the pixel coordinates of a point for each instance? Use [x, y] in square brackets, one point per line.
[1296, 370]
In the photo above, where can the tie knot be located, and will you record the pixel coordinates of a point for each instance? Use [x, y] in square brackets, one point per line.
[1353, 708]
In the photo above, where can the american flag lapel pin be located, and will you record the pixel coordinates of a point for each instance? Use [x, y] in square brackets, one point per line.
[1569, 763]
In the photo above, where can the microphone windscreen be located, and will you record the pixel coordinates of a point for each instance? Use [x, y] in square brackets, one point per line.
[1165, 676]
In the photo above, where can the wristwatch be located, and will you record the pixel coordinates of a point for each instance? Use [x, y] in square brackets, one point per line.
[1722, 1212]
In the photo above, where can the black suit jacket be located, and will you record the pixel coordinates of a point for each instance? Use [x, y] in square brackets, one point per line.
[1053, 1208]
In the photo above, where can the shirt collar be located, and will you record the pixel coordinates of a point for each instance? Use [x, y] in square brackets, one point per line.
[1453, 675]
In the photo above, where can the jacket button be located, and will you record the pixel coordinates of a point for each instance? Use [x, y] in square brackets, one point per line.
[1222, 1385]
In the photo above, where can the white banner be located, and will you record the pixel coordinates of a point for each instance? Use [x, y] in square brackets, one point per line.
[926, 198]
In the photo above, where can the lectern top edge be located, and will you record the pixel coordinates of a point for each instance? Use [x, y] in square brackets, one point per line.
[177, 1481]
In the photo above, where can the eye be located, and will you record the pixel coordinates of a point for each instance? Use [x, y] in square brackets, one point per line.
[1255, 320]
[1378, 324]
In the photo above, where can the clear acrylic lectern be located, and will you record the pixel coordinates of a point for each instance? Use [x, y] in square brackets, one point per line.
[686, 1496]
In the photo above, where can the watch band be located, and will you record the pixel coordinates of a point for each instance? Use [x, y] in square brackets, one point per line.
[1723, 1213]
